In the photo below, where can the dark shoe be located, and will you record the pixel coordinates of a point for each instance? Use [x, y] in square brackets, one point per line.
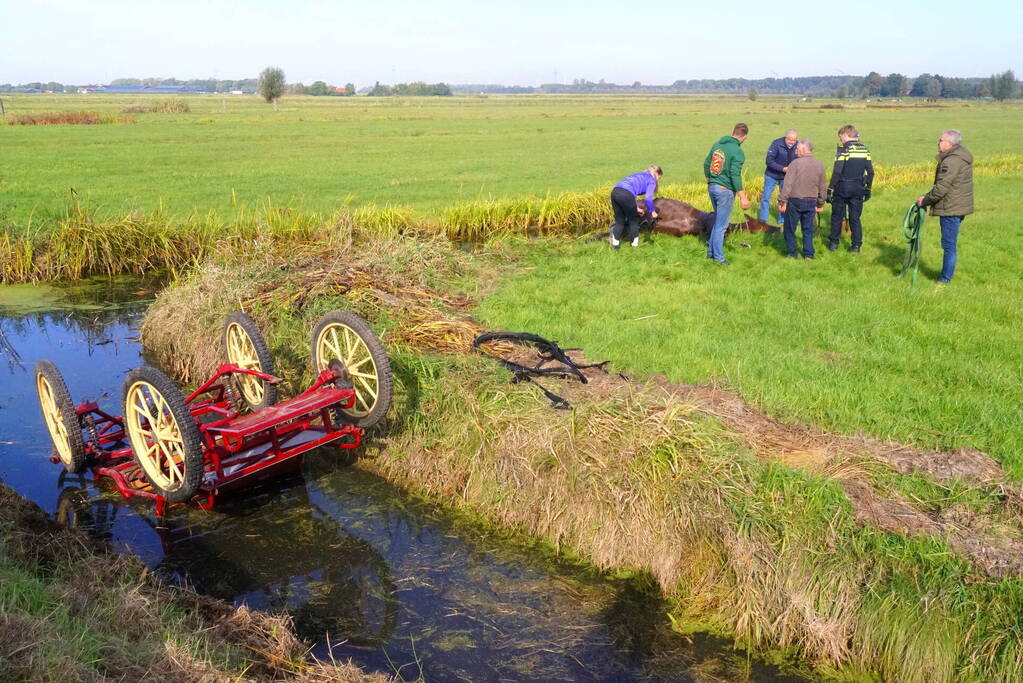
[854, 250]
[832, 246]
[722, 262]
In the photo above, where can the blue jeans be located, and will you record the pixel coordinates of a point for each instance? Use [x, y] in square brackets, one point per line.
[800, 211]
[949, 237]
[765, 202]
[721, 198]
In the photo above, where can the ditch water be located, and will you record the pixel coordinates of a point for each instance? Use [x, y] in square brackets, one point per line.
[368, 571]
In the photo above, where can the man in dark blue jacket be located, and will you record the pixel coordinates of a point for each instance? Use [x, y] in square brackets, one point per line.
[780, 154]
[851, 179]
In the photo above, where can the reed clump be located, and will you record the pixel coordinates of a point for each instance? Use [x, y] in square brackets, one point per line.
[72, 118]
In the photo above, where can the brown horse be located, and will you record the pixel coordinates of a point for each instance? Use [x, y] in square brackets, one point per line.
[678, 218]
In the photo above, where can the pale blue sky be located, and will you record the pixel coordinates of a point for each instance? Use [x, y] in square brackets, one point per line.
[525, 42]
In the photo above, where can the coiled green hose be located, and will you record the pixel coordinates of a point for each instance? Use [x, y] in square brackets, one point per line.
[913, 229]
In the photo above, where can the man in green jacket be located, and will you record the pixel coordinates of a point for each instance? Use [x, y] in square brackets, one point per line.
[951, 198]
[723, 170]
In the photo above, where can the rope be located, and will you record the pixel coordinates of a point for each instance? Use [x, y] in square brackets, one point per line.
[913, 229]
[548, 351]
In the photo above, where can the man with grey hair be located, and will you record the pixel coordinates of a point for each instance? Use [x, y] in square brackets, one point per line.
[951, 198]
[801, 197]
[780, 154]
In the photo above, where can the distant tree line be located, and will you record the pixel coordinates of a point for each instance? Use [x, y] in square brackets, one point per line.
[418, 88]
[492, 89]
[1001, 86]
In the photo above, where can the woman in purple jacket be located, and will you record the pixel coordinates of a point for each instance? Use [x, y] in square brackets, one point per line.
[623, 201]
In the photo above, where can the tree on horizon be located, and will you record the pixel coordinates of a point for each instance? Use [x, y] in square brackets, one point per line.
[271, 84]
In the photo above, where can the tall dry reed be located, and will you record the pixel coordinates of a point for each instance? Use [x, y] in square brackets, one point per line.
[82, 243]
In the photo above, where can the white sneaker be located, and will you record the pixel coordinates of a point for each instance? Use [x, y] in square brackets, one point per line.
[615, 243]
[635, 242]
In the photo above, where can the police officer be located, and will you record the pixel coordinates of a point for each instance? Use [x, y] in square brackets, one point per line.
[851, 178]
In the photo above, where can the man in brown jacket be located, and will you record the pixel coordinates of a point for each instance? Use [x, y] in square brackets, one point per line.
[802, 196]
[951, 198]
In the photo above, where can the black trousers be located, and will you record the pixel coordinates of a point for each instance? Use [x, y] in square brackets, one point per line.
[838, 211]
[626, 227]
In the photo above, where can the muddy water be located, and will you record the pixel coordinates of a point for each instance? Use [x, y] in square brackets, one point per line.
[368, 571]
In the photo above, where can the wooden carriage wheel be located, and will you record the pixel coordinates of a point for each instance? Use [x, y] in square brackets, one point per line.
[60, 416]
[246, 348]
[163, 434]
[344, 336]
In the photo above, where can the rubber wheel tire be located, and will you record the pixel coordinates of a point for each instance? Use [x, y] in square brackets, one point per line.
[75, 457]
[191, 443]
[384, 381]
[266, 362]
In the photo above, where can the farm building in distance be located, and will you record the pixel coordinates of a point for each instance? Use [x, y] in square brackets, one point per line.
[151, 89]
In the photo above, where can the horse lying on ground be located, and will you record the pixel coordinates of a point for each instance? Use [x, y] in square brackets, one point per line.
[678, 218]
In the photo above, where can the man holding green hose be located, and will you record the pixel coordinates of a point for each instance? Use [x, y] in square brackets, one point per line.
[951, 198]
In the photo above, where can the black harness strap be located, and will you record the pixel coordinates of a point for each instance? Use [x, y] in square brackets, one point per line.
[549, 352]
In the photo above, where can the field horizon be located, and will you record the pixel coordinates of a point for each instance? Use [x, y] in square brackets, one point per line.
[235, 154]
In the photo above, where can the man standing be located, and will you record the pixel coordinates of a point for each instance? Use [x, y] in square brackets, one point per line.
[851, 179]
[780, 154]
[801, 197]
[723, 170]
[951, 198]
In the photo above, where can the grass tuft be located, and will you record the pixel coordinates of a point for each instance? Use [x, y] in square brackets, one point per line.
[167, 106]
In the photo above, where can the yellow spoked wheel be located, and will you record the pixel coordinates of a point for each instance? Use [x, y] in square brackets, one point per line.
[59, 416]
[163, 434]
[346, 337]
[246, 348]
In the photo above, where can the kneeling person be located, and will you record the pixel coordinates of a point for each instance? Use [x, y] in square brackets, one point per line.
[802, 196]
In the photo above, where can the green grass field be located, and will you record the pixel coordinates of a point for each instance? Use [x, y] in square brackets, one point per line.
[316, 154]
[840, 341]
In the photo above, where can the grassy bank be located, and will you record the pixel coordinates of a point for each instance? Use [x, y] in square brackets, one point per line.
[839, 342]
[427, 153]
[71, 611]
[82, 243]
[782, 536]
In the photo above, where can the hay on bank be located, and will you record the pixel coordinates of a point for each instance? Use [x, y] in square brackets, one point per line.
[398, 282]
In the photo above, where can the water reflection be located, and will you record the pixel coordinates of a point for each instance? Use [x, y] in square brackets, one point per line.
[271, 549]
